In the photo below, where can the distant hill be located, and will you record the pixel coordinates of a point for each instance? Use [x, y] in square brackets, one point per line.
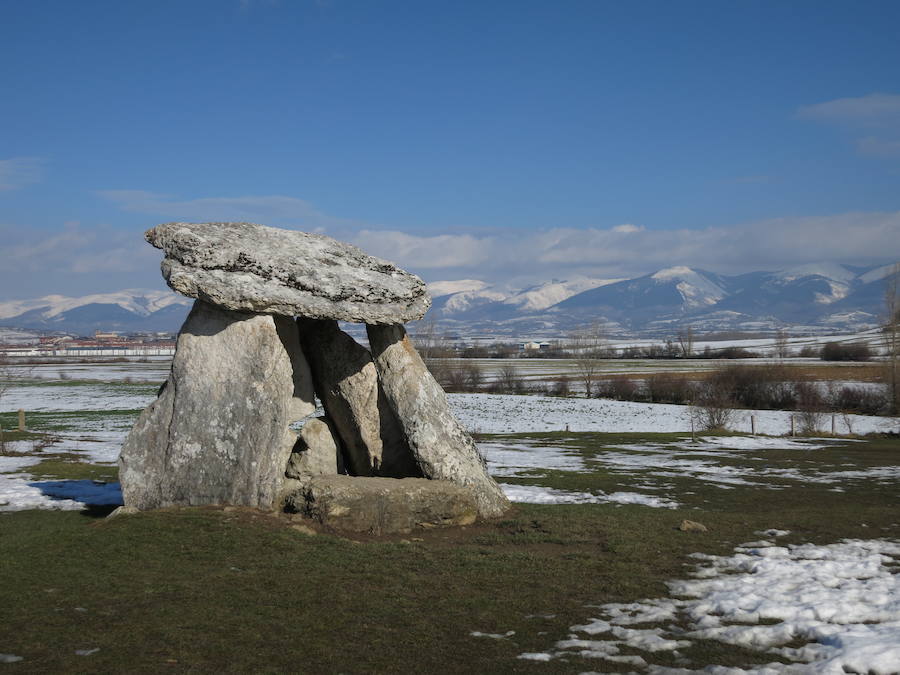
[131, 310]
[821, 297]
[826, 297]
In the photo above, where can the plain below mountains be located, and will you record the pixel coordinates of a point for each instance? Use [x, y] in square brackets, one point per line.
[826, 297]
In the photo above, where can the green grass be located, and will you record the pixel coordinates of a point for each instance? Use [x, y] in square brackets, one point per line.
[69, 420]
[68, 466]
[208, 590]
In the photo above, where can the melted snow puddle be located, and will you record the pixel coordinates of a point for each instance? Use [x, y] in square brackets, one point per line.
[537, 494]
[19, 492]
[515, 459]
[842, 599]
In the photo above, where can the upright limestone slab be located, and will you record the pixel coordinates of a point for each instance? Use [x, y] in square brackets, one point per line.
[218, 432]
[347, 384]
[442, 448]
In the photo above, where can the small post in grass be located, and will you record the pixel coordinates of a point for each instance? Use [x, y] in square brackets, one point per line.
[21, 420]
[693, 439]
[753, 425]
[832, 424]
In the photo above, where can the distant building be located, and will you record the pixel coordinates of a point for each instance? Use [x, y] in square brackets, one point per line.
[533, 346]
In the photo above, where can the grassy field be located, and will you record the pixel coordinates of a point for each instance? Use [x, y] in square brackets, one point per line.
[233, 590]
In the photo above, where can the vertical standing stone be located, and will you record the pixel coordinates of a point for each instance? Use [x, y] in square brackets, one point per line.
[347, 384]
[442, 448]
[218, 432]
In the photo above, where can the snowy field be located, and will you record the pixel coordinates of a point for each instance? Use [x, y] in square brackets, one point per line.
[826, 608]
[842, 600]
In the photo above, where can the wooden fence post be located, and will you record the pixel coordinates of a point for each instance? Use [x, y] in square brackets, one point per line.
[21, 420]
[792, 426]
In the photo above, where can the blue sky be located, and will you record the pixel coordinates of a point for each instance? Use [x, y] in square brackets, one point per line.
[494, 140]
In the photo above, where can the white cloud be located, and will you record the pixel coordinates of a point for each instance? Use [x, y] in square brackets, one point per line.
[878, 147]
[75, 259]
[269, 209]
[17, 172]
[426, 252]
[854, 238]
[880, 112]
[628, 228]
[79, 258]
[870, 110]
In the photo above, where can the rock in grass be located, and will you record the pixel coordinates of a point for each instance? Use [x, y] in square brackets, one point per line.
[692, 526]
[441, 447]
[316, 452]
[347, 384]
[123, 511]
[383, 505]
[219, 431]
[254, 268]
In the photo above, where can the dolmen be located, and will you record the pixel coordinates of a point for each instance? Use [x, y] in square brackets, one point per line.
[235, 424]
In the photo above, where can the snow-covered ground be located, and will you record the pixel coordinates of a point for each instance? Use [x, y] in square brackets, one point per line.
[503, 414]
[842, 600]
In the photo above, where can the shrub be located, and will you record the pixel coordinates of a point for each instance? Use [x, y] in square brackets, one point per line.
[619, 388]
[560, 387]
[713, 405]
[854, 351]
[865, 401]
[667, 388]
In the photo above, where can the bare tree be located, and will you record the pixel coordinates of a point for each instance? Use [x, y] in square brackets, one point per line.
[781, 343]
[892, 335]
[587, 345]
[686, 341]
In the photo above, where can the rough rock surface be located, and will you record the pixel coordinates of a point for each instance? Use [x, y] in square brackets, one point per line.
[382, 505]
[218, 432]
[249, 267]
[316, 452]
[442, 448]
[347, 384]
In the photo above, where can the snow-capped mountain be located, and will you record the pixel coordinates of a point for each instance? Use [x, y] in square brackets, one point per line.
[128, 310]
[812, 296]
[824, 297]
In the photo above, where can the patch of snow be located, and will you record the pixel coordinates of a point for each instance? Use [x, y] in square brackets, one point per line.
[495, 636]
[551, 293]
[514, 459]
[831, 271]
[878, 273]
[138, 301]
[842, 599]
[461, 302]
[538, 494]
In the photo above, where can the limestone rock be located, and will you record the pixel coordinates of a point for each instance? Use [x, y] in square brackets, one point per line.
[692, 526]
[347, 384]
[442, 448]
[383, 505]
[248, 267]
[218, 432]
[316, 452]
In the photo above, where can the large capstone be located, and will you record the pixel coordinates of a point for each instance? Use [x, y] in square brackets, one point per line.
[249, 267]
[442, 448]
[347, 384]
[219, 431]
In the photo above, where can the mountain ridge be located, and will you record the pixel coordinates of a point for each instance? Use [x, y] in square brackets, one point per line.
[813, 297]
